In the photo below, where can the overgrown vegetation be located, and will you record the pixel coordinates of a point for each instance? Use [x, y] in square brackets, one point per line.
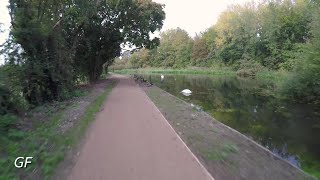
[261, 36]
[222, 71]
[54, 45]
[43, 142]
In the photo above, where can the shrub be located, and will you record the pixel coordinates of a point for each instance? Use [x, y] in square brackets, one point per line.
[249, 68]
[7, 122]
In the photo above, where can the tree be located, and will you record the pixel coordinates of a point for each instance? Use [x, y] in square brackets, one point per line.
[175, 48]
[237, 33]
[115, 24]
[304, 84]
[200, 51]
[139, 59]
[62, 41]
[284, 24]
[209, 36]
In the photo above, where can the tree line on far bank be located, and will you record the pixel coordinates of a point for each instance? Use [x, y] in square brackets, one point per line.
[277, 35]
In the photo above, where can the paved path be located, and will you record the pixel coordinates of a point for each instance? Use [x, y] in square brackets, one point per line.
[131, 140]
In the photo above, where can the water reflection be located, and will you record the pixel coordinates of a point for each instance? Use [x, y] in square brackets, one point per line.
[289, 130]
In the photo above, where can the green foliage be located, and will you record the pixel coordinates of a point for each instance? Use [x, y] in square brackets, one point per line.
[269, 33]
[254, 39]
[175, 48]
[174, 51]
[304, 83]
[249, 68]
[284, 23]
[192, 70]
[101, 39]
[221, 153]
[209, 36]
[57, 43]
[200, 52]
[139, 59]
[7, 122]
[11, 100]
[44, 143]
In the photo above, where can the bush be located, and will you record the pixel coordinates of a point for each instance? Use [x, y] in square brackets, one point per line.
[304, 85]
[7, 122]
[248, 68]
[11, 99]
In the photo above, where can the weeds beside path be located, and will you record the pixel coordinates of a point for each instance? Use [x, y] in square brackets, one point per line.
[54, 129]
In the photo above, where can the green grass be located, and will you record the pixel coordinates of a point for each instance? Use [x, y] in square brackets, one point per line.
[263, 75]
[43, 143]
[223, 71]
[310, 166]
[277, 76]
[221, 153]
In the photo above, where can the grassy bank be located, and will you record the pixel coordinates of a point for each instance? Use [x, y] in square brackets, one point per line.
[44, 141]
[273, 75]
[225, 152]
[178, 71]
[264, 75]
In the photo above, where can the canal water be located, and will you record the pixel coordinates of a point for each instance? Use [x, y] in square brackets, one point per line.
[289, 130]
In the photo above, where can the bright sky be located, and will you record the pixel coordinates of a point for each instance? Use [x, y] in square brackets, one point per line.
[4, 23]
[192, 15]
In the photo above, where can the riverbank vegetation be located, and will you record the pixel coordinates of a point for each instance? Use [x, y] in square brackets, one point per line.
[56, 46]
[255, 39]
[196, 70]
[225, 152]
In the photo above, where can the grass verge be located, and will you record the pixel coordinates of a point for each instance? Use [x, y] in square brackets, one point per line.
[178, 71]
[44, 143]
[276, 76]
[224, 152]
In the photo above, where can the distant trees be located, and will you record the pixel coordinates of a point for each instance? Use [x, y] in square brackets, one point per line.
[304, 84]
[274, 35]
[175, 48]
[200, 52]
[269, 33]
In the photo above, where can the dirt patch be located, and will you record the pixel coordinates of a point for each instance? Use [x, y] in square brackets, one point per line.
[226, 153]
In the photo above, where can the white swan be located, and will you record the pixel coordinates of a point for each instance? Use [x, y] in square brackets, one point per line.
[162, 76]
[186, 91]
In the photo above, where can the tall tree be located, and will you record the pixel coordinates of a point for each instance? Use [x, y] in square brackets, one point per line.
[64, 40]
[175, 48]
[200, 51]
[304, 85]
[128, 22]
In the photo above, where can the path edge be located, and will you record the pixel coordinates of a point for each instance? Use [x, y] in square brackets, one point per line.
[204, 169]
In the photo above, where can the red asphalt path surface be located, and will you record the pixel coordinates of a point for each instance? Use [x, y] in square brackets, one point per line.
[131, 140]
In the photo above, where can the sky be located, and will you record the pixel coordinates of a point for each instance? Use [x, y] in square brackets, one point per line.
[4, 23]
[194, 16]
